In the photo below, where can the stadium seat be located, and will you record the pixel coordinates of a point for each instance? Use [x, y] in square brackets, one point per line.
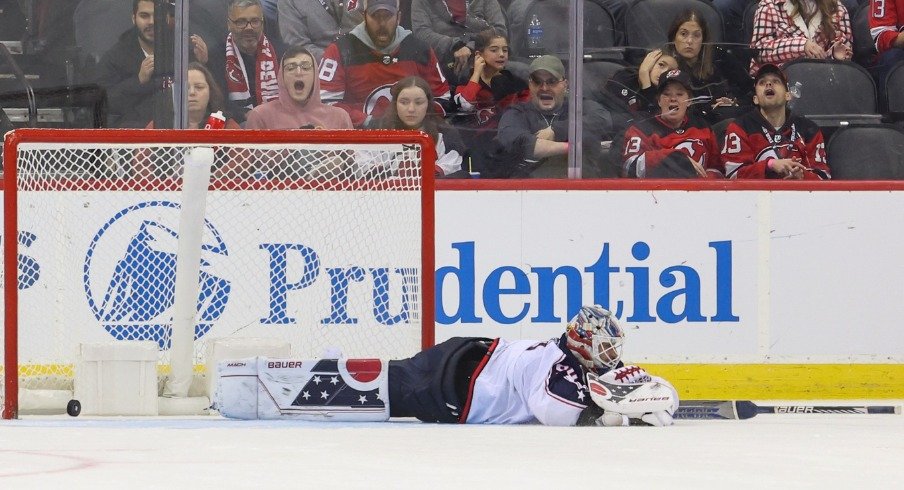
[833, 93]
[894, 91]
[99, 23]
[596, 73]
[864, 48]
[599, 27]
[749, 18]
[647, 21]
[867, 152]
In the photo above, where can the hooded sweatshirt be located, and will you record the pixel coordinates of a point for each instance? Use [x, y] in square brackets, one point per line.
[286, 113]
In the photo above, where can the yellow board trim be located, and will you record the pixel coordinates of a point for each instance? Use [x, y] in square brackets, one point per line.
[783, 381]
[721, 381]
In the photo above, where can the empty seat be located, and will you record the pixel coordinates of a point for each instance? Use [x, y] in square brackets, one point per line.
[894, 91]
[867, 152]
[599, 27]
[832, 92]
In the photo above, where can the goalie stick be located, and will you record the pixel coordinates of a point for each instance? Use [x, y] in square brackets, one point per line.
[745, 409]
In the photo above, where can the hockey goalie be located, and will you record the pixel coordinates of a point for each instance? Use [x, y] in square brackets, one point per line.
[576, 379]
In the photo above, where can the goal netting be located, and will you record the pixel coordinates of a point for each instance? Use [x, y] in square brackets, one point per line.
[320, 238]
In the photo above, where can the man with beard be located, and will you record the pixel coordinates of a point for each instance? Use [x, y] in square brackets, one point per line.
[246, 64]
[674, 144]
[126, 71]
[770, 142]
[358, 70]
[533, 135]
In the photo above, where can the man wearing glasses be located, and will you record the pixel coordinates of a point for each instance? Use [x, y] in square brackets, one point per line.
[533, 135]
[248, 61]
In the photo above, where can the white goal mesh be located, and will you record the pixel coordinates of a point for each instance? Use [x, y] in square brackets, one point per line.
[314, 237]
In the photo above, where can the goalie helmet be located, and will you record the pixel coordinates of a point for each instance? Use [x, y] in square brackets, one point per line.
[595, 338]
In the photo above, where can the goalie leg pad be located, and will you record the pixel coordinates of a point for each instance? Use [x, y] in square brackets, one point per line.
[322, 389]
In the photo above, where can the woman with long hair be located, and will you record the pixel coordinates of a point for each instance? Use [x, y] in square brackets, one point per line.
[491, 87]
[786, 30]
[718, 85]
[412, 108]
[205, 97]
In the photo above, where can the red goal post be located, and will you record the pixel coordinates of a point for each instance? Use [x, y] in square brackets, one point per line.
[323, 238]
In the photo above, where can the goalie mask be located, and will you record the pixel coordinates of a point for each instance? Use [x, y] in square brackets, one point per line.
[595, 338]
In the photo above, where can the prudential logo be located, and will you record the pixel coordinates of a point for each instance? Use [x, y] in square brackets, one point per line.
[130, 274]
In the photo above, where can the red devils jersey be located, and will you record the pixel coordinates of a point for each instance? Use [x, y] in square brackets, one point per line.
[650, 142]
[886, 19]
[751, 141]
[357, 78]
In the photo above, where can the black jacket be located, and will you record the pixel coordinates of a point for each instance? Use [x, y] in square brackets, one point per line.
[130, 103]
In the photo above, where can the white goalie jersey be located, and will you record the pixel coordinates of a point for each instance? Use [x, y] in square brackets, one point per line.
[529, 382]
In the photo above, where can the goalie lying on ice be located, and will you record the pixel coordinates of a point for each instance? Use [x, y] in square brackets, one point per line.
[576, 379]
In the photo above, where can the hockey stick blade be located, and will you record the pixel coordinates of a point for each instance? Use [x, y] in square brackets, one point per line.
[744, 409]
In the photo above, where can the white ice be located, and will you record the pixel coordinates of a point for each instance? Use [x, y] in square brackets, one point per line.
[768, 451]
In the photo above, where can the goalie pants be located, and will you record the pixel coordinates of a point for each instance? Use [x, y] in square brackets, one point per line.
[434, 384]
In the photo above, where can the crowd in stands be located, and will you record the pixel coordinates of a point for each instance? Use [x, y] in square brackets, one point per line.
[708, 100]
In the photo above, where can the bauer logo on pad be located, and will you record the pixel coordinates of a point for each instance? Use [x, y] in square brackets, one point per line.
[130, 274]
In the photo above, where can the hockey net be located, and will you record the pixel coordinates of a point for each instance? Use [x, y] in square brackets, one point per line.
[320, 238]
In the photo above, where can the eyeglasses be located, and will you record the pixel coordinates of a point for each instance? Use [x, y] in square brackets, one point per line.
[550, 82]
[244, 23]
[304, 66]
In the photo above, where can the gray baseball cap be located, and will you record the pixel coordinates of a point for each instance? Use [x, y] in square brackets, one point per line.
[548, 63]
[372, 6]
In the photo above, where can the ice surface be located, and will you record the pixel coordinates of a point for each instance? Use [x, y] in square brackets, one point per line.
[768, 451]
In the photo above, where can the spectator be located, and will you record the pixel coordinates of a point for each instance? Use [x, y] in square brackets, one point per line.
[411, 108]
[716, 91]
[886, 25]
[126, 71]
[247, 60]
[786, 30]
[449, 27]
[358, 70]
[491, 87]
[298, 105]
[770, 142]
[205, 97]
[674, 144]
[489, 91]
[533, 135]
[632, 90]
[315, 24]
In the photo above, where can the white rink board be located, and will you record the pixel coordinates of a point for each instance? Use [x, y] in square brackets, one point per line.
[814, 276]
[244, 224]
